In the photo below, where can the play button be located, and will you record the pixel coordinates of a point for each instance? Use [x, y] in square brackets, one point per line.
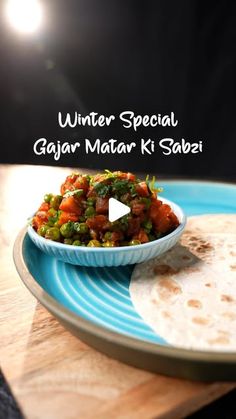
[116, 209]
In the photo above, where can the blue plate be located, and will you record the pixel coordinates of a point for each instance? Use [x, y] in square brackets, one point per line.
[83, 297]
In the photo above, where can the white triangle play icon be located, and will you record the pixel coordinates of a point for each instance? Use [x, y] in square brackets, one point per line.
[116, 209]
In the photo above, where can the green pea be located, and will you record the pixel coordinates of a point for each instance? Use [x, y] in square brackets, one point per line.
[148, 226]
[42, 230]
[151, 237]
[55, 201]
[123, 223]
[53, 233]
[47, 197]
[56, 224]
[82, 219]
[67, 229]
[107, 236]
[94, 243]
[90, 202]
[108, 244]
[76, 243]
[134, 242]
[81, 228]
[89, 212]
[52, 219]
[52, 212]
[68, 241]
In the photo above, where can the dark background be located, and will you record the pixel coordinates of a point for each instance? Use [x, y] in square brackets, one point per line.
[109, 56]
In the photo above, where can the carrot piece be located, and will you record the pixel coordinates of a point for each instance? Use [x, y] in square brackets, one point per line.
[70, 204]
[64, 217]
[44, 206]
[142, 189]
[39, 219]
[102, 205]
[141, 236]
[98, 222]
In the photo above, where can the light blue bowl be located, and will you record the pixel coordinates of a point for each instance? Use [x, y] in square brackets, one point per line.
[111, 256]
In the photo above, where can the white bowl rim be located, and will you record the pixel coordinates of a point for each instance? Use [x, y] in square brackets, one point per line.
[175, 207]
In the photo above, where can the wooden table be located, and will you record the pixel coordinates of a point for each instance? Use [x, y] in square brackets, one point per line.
[51, 373]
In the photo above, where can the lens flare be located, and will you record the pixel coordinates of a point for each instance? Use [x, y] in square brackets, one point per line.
[25, 16]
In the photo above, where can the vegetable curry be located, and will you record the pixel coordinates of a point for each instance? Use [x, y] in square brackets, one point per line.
[79, 215]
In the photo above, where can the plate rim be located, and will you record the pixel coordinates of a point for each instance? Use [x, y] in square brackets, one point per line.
[66, 315]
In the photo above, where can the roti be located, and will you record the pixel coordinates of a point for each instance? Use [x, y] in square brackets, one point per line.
[188, 295]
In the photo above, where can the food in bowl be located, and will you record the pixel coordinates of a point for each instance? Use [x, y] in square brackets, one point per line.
[79, 214]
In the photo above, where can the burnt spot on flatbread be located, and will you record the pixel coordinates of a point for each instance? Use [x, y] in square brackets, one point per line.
[187, 232]
[155, 301]
[164, 270]
[186, 257]
[194, 303]
[198, 246]
[229, 315]
[232, 253]
[223, 332]
[204, 247]
[167, 288]
[233, 267]
[194, 239]
[208, 284]
[191, 242]
[227, 298]
[221, 340]
[166, 314]
[200, 320]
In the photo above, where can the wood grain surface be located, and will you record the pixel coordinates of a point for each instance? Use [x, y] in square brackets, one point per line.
[51, 373]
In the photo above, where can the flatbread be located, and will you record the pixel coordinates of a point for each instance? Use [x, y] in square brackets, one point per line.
[188, 295]
[212, 223]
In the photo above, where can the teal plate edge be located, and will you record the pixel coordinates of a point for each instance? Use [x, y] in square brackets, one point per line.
[101, 295]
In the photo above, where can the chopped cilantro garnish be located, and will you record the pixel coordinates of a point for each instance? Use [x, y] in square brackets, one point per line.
[147, 226]
[120, 186]
[151, 185]
[102, 189]
[132, 187]
[77, 192]
[109, 174]
[125, 219]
